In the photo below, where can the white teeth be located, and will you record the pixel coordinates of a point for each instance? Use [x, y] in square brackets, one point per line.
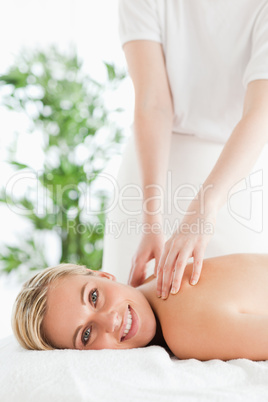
[129, 323]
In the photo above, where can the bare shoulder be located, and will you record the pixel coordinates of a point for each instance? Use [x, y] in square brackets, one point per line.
[235, 264]
[239, 257]
[229, 286]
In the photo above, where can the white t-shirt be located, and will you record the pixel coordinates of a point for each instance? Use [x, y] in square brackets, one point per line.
[213, 49]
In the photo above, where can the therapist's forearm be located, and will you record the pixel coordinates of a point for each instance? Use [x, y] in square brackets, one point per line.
[237, 158]
[153, 129]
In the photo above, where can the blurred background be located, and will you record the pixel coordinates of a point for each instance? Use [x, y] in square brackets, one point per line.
[66, 106]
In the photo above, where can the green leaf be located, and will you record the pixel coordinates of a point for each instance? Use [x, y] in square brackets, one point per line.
[70, 111]
[19, 165]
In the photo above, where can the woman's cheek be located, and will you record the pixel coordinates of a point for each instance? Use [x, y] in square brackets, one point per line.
[103, 342]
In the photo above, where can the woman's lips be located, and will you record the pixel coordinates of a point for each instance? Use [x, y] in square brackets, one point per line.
[134, 326]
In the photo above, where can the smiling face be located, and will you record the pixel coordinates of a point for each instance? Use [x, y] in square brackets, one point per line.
[95, 312]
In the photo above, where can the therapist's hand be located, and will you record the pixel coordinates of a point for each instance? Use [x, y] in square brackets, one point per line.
[190, 240]
[151, 246]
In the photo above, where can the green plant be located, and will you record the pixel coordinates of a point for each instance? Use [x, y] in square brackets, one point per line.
[68, 107]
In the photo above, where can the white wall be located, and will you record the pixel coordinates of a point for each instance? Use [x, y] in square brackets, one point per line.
[92, 26]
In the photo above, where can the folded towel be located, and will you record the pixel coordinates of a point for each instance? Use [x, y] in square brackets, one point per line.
[146, 374]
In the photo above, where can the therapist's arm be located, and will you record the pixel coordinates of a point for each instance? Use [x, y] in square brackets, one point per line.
[153, 128]
[235, 162]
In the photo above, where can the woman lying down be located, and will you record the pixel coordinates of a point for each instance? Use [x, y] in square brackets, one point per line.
[224, 316]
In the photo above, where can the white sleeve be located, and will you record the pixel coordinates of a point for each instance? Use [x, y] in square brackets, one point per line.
[139, 19]
[257, 67]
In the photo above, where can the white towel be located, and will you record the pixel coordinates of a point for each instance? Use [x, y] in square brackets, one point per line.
[146, 374]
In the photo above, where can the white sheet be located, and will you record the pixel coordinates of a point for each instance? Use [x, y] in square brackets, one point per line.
[147, 374]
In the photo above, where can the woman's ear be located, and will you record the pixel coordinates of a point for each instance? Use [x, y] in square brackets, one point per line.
[105, 275]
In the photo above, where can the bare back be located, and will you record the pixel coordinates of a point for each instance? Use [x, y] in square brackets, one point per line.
[224, 316]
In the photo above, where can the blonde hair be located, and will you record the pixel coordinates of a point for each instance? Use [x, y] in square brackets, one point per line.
[30, 305]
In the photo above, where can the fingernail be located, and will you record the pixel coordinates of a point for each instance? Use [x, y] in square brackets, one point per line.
[158, 294]
[164, 295]
[193, 281]
[173, 291]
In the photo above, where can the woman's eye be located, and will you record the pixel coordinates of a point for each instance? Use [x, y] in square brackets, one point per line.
[94, 296]
[86, 336]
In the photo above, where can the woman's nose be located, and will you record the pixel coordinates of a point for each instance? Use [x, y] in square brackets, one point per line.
[110, 321]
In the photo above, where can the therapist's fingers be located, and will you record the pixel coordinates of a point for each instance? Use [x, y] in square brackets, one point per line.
[167, 275]
[160, 267]
[158, 254]
[197, 265]
[137, 278]
[174, 270]
[137, 273]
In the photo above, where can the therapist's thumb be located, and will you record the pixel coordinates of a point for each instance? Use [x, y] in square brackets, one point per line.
[137, 274]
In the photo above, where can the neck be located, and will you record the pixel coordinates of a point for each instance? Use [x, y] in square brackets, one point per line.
[158, 339]
[148, 290]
